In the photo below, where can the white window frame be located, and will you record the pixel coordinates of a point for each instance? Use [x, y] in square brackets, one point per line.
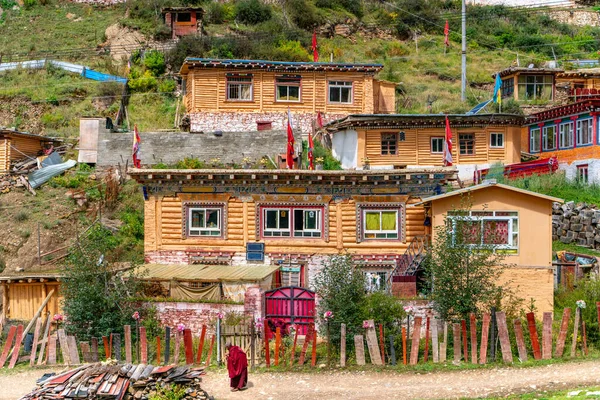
[239, 81]
[581, 133]
[534, 137]
[340, 85]
[513, 233]
[494, 143]
[288, 82]
[545, 130]
[366, 232]
[565, 136]
[581, 176]
[205, 231]
[441, 150]
[291, 232]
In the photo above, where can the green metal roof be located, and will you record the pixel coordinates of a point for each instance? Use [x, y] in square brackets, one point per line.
[206, 273]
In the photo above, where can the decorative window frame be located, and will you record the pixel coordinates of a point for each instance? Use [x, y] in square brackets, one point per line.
[258, 219]
[185, 207]
[400, 207]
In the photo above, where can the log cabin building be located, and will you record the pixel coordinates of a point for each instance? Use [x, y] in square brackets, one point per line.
[183, 21]
[246, 95]
[569, 133]
[283, 223]
[16, 146]
[529, 84]
[416, 141]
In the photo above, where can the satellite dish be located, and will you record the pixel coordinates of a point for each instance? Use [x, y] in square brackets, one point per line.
[530, 66]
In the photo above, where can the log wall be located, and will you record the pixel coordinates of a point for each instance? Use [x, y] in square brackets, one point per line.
[25, 298]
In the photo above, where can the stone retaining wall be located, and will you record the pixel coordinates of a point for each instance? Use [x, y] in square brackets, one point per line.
[577, 224]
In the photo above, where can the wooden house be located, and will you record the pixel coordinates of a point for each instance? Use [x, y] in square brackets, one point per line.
[283, 223]
[234, 95]
[16, 146]
[24, 292]
[569, 133]
[580, 84]
[417, 141]
[529, 84]
[183, 21]
[520, 222]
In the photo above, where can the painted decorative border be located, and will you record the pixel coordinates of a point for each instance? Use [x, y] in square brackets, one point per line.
[325, 207]
[184, 211]
[401, 207]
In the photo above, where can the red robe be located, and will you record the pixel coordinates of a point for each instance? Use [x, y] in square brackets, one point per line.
[237, 366]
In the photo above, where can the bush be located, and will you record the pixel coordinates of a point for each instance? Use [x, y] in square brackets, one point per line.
[155, 62]
[190, 163]
[587, 290]
[353, 6]
[291, 51]
[304, 14]
[252, 12]
[384, 309]
[143, 83]
[217, 13]
[167, 86]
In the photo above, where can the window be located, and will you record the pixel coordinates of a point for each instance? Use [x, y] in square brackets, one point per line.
[535, 87]
[292, 221]
[340, 92]
[184, 17]
[467, 144]
[204, 222]
[508, 87]
[287, 88]
[389, 144]
[239, 88]
[534, 140]
[499, 229]
[582, 173]
[584, 131]
[549, 137]
[380, 224]
[375, 281]
[437, 144]
[497, 140]
[565, 136]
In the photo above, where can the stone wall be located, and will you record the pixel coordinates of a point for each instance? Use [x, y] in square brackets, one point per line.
[170, 147]
[576, 17]
[247, 121]
[576, 223]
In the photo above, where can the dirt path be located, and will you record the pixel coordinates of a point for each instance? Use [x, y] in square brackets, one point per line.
[375, 385]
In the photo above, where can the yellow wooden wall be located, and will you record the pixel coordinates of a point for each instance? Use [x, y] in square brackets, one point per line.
[164, 226]
[4, 155]
[206, 92]
[416, 148]
[24, 299]
[29, 146]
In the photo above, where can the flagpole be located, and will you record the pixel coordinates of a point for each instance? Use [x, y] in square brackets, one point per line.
[463, 89]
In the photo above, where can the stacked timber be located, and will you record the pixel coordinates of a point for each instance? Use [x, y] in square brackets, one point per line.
[119, 381]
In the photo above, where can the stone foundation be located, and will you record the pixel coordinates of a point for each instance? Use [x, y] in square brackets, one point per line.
[243, 122]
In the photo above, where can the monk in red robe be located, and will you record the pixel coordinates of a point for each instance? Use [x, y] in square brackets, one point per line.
[237, 366]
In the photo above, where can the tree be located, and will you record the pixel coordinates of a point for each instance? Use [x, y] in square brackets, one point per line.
[341, 288]
[96, 294]
[464, 264]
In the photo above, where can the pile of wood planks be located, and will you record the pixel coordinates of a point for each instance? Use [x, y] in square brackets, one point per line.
[119, 381]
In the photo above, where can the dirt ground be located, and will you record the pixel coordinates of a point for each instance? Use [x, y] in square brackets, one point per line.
[375, 385]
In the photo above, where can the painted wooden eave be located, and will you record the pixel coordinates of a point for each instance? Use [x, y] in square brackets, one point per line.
[589, 105]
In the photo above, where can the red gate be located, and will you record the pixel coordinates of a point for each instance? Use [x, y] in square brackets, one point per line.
[292, 304]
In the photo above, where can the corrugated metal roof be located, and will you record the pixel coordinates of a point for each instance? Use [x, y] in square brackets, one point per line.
[41, 176]
[206, 273]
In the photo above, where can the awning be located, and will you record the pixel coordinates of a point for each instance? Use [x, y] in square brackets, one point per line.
[206, 273]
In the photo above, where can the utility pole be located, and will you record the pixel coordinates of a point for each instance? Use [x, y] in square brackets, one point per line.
[463, 88]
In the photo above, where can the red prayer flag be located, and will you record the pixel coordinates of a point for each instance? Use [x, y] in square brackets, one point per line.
[314, 47]
[311, 146]
[319, 119]
[136, 148]
[289, 159]
[446, 32]
[448, 145]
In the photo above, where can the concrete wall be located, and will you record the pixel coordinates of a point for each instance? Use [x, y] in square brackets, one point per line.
[168, 147]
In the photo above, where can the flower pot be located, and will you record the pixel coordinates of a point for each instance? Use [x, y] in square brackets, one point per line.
[319, 167]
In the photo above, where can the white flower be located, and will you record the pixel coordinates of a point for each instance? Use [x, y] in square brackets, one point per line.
[580, 303]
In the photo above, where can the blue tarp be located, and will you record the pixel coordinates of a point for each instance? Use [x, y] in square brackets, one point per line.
[75, 68]
[99, 76]
[41, 176]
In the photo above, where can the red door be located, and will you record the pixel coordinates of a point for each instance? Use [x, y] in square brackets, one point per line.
[292, 304]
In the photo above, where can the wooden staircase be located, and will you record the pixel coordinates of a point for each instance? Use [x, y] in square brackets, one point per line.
[411, 260]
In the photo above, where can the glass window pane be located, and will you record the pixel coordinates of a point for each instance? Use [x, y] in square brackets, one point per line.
[284, 219]
[372, 221]
[212, 218]
[388, 220]
[334, 94]
[271, 219]
[345, 95]
[294, 93]
[282, 92]
[310, 219]
[197, 219]
[495, 232]
[298, 222]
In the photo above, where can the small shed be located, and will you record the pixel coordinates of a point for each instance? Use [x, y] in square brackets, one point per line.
[24, 292]
[183, 21]
[15, 146]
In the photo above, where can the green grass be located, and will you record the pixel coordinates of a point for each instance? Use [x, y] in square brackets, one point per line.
[573, 248]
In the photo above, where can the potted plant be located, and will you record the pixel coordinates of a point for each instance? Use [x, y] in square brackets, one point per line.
[263, 163]
[319, 163]
[246, 162]
[366, 163]
[216, 163]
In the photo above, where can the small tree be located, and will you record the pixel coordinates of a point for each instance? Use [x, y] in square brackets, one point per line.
[96, 294]
[341, 288]
[464, 265]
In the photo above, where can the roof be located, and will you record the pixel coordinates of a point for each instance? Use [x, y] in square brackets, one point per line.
[192, 62]
[539, 71]
[423, 120]
[583, 106]
[580, 73]
[11, 132]
[485, 185]
[33, 275]
[181, 9]
[206, 273]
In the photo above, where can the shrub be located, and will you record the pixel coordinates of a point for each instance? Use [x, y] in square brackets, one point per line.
[167, 86]
[291, 50]
[144, 83]
[252, 12]
[304, 14]
[384, 309]
[21, 216]
[190, 163]
[155, 62]
[217, 13]
[353, 6]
